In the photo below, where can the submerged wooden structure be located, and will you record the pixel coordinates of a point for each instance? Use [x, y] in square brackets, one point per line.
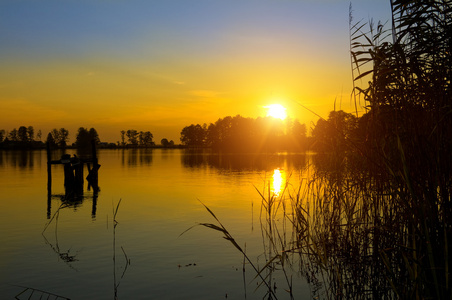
[73, 176]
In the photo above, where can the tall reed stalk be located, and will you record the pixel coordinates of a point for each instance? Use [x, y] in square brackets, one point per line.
[374, 220]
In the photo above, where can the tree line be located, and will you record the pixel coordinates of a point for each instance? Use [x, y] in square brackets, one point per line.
[247, 134]
[23, 134]
[24, 137]
[137, 138]
[339, 132]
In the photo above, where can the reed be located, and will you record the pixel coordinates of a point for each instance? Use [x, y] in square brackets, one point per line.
[373, 220]
[227, 236]
[116, 281]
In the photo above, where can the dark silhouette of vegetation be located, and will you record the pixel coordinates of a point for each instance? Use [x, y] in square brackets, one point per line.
[165, 143]
[375, 219]
[137, 138]
[384, 215]
[409, 145]
[84, 138]
[59, 137]
[22, 138]
[51, 141]
[123, 137]
[247, 135]
[334, 133]
[25, 138]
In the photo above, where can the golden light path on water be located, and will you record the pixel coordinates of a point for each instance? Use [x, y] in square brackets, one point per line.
[279, 179]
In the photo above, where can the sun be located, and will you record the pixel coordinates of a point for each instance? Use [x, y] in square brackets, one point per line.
[276, 111]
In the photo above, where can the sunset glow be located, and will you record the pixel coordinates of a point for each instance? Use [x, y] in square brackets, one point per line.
[163, 65]
[276, 111]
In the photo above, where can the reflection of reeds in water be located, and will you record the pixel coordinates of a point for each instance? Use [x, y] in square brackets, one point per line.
[117, 282]
[352, 235]
[338, 219]
[67, 257]
[227, 236]
[358, 239]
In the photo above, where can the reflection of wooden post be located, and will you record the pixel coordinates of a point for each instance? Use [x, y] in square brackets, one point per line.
[93, 211]
[49, 170]
[49, 181]
[77, 164]
[93, 172]
[93, 147]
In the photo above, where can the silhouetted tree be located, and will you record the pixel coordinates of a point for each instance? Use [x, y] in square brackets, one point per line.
[50, 140]
[164, 142]
[12, 135]
[123, 138]
[94, 136]
[22, 134]
[64, 137]
[295, 138]
[60, 136]
[193, 135]
[84, 138]
[334, 134]
[246, 134]
[140, 138]
[146, 139]
[2, 135]
[132, 136]
[31, 133]
[39, 135]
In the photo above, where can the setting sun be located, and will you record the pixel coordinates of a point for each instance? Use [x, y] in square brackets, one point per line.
[276, 111]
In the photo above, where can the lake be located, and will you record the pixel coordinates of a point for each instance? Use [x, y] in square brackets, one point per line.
[74, 250]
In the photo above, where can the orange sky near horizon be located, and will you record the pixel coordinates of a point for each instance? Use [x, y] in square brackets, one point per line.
[187, 65]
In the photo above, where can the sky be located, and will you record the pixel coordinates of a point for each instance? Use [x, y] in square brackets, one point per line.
[161, 65]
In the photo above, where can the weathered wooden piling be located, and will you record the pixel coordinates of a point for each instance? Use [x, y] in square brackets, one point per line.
[92, 177]
[73, 177]
[73, 173]
[49, 181]
[69, 178]
[49, 170]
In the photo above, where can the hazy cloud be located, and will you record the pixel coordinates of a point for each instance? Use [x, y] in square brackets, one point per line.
[204, 93]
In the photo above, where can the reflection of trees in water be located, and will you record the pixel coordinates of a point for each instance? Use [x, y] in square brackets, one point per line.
[18, 158]
[136, 156]
[242, 162]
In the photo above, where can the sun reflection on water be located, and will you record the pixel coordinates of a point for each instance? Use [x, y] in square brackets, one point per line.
[279, 178]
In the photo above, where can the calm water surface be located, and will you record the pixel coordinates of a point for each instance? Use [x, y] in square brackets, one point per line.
[160, 192]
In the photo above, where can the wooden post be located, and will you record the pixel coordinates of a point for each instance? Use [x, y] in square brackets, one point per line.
[69, 178]
[49, 170]
[77, 165]
[95, 168]
[49, 181]
[93, 172]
